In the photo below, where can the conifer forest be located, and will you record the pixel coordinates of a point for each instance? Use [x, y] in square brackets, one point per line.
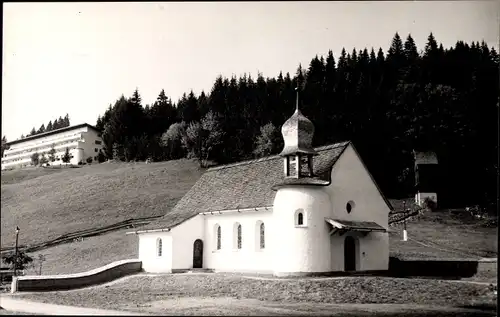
[388, 102]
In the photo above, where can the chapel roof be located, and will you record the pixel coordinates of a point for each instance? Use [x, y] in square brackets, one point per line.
[247, 184]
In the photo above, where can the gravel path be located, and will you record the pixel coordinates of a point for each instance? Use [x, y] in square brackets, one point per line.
[23, 306]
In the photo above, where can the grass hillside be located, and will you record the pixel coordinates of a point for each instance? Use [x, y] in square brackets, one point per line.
[444, 234]
[17, 176]
[46, 203]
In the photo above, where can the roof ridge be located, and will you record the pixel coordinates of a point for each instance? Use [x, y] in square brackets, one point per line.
[273, 157]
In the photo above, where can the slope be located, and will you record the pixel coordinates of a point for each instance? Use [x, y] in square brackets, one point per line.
[47, 204]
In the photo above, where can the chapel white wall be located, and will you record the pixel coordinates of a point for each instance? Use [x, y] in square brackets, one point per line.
[184, 236]
[148, 252]
[250, 257]
[350, 181]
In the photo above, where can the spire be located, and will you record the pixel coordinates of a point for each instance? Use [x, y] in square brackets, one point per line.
[297, 101]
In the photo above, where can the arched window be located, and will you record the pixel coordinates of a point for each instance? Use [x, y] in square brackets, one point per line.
[262, 236]
[239, 236]
[159, 247]
[300, 218]
[237, 240]
[218, 234]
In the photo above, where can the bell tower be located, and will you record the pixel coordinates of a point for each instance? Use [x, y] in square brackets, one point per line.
[298, 132]
[300, 240]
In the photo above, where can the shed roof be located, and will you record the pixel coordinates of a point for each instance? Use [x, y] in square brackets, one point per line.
[247, 184]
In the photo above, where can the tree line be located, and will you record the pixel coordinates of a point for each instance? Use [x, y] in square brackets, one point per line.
[57, 124]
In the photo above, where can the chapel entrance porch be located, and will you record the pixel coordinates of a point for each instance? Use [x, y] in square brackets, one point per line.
[346, 237]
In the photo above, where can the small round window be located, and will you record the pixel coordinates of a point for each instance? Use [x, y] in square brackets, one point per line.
[349, 206]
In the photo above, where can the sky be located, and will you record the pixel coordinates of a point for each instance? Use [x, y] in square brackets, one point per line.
[77, 58]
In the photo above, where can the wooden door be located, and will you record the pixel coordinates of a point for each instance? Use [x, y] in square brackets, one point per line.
[349, 254]
[198, 254]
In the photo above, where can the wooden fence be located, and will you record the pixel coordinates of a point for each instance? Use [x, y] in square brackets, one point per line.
[70, 237]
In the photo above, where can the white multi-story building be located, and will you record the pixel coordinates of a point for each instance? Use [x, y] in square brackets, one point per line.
[82, 140]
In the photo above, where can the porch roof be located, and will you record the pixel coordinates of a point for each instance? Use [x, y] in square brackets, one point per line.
[361, 226]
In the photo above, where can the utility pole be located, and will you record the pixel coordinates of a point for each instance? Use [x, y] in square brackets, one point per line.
[16, 253]
[405, 233]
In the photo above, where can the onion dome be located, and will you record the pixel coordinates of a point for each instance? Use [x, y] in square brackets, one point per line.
[298, 132]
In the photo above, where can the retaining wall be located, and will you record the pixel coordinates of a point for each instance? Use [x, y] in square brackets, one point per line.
[112, 271]
[437, 268]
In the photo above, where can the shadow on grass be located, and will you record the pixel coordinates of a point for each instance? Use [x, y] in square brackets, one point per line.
[482, 306]
[416, 314]
[442, 269]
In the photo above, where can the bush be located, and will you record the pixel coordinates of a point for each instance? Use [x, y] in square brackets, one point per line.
[101, 157]
[35, 159]
[430, 204]
[22, 260]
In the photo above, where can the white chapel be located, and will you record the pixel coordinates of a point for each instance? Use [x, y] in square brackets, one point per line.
[306, 211]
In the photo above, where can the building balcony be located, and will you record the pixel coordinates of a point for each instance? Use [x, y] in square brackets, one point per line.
[40, 149]
[60, 149]
[44, 143]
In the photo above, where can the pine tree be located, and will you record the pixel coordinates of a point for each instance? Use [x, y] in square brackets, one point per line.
[163, 114]
[100, 123]
[136, 97]
[118, 152]
[66, 121]
[33, 132]
[60, 123]
[396, 48]
[41, 129]
[49, 126]
[410, 71]
[431, 46]
[55, 125]
[203, 104]
[300, 78]
[189, 111]
[5, 146]
[342, 65]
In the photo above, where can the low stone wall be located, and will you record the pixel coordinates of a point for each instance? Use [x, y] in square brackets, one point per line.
[38, 283]
[434, 268]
